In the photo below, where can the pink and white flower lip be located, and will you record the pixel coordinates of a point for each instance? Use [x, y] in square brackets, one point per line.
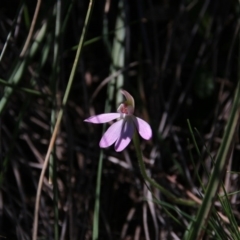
[121, 132]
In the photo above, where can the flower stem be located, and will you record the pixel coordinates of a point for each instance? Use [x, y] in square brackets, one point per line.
[150, 180]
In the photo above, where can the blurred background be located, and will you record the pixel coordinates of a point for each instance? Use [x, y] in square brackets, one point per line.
[179, 60]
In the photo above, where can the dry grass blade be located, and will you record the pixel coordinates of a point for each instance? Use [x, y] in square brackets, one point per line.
[59, 119]
[30, 34]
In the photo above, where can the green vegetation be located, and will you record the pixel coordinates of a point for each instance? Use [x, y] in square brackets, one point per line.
[64, 61]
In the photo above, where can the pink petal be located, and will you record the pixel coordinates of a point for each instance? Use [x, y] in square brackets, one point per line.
[143, 127]
[103, 118]
[126, 134]
[111, 135]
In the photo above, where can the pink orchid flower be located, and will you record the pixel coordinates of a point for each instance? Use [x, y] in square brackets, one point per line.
[121, 132]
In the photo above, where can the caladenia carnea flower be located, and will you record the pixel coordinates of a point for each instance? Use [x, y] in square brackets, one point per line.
[121, 132]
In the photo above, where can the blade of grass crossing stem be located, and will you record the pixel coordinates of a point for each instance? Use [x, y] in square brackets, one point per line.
[22, 89]
[60, 115]
[197, 229]
[168, 207]
[152, 181]
[101, 37]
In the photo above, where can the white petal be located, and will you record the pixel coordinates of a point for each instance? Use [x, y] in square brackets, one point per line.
[103, 118]
[111, 135]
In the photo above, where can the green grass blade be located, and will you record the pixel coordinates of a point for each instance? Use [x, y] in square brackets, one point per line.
[20, 68]
[193, 138]
[5, 46]
[233, 226]
[60, 115]
[23, 89]
[197, 228]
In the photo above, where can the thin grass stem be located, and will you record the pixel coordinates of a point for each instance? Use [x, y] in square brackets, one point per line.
[59, 118]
